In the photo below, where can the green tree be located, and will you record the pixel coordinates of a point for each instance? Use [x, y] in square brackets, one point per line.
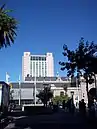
[8, 27]
[56, 99]
[59, 99]
[45, 95]
[81, 61]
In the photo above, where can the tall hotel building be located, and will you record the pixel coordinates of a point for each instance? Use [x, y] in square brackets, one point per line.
[37, 65]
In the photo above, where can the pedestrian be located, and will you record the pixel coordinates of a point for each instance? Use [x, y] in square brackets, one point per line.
[82, 107]
[63, 104]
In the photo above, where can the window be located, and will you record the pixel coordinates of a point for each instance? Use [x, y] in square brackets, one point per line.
[36, 63]
[83, 95]
[31, 65]
[45, 72]
[42, 65]
[32, 58]
[72, 93]
[36, 68]
[39, 68]
[62, 93]
[27, 75]
[43, 58]
[40, 58]
[43, 68]
[37, 58]
[33, 68]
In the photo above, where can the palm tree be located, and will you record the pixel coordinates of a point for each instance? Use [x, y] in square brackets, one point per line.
[8, 27]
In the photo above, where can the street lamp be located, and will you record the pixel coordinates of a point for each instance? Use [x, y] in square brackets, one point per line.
[35, 90]
[19, 92]
[78, 85]
[72, 93]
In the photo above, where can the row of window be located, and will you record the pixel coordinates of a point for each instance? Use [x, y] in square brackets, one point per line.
[16, 102]
[36, 63]
[38, 58]
[39, 66]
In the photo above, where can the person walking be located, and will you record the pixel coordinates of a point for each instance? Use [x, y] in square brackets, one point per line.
[82, 107]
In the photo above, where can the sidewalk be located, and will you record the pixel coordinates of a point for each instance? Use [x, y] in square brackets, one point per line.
[58, 120]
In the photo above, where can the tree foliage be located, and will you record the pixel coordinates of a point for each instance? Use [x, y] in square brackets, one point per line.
[45, 95]
[81, 61]
[8, 27]
[59, 99]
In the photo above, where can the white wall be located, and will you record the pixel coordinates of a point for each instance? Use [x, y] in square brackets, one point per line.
[26, 64]
[50, 65]
[26, 93]
[84, 92]
[76, 96]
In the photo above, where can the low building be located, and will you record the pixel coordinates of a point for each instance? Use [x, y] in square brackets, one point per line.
[25, 90]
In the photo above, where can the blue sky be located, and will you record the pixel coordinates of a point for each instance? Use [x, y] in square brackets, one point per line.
[44, 26]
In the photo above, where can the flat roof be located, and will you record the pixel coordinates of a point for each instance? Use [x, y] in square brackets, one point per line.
[40, 85]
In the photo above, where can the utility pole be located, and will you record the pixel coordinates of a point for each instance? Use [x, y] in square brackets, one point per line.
[19, 91]
[35, 90]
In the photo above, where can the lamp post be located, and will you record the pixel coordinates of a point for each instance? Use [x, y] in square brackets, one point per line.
[72, 94]
[72, 102]
[35, 90]
[78, 85]
[45, 91]
[19, 92]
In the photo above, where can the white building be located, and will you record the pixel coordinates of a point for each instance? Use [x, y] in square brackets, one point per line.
[57, 85]
[37, 65]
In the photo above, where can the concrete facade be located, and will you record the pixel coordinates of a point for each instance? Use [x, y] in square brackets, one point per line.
[37, 65]
[57, 86]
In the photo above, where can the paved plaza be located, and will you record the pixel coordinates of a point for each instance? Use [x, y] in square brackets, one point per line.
[60, 120]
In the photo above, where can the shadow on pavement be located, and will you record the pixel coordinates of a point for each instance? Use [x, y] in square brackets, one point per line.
[59, 120]
[56, 120]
